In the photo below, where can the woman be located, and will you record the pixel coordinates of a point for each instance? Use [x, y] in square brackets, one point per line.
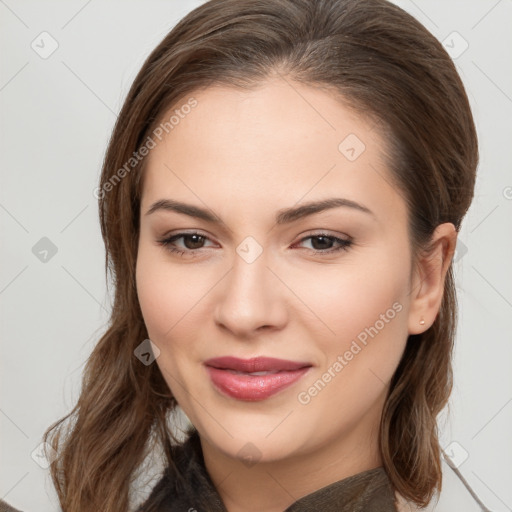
[280, 202]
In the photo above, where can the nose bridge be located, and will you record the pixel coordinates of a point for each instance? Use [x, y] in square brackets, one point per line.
[250, 296]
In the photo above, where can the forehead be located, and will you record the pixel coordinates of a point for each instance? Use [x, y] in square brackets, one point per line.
[269, 146]
[286, 116]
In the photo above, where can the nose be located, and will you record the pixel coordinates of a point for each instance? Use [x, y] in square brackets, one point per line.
[251, 299]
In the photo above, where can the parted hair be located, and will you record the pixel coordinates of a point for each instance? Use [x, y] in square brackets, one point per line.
[381, 62]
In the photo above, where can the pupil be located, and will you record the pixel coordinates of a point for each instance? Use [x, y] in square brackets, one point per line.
[325, 240]
[319, 242]
[196, 241]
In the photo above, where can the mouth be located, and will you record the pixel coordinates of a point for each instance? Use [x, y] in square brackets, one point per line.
[254, 379]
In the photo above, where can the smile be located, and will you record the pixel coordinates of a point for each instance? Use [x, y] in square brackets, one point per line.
[254, 379]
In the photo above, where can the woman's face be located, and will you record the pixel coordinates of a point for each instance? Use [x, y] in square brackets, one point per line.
[250, 168]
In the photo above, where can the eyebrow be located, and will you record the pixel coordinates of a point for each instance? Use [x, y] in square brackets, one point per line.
[284, 216]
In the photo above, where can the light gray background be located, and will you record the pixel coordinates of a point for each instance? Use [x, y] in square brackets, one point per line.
[56, 117]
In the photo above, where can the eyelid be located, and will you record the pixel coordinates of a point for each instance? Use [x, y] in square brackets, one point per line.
[343, 244]
[181, 234]
[302, 237]
[326, 233]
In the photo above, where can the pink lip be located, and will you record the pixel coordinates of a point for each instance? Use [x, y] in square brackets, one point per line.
[243, 386]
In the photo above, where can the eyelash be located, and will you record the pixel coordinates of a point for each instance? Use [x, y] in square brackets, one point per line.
[344, 245]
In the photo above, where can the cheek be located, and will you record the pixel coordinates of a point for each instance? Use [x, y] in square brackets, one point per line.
[171, 298]
[370, 323]
[156, 290]
[361, 314]
[341, 300]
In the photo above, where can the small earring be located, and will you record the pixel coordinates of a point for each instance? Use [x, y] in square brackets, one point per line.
[422, 322]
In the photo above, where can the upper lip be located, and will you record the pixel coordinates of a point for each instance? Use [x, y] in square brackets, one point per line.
[255, 364]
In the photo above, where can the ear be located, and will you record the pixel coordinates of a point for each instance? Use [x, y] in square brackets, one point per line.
[427, 284]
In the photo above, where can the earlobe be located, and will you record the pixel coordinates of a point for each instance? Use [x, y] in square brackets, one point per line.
[427, 285]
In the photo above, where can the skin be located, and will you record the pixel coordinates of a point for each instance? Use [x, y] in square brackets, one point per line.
[245, 155]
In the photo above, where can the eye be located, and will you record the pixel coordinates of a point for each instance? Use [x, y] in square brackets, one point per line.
[323, 243]
[191, 242]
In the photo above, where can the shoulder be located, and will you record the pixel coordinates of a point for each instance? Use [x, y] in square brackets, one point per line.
[5, 507]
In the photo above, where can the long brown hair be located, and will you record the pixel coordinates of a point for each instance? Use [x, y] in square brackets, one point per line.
[384, 64]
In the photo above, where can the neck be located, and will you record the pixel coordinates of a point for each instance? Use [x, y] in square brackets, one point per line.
[274, 485]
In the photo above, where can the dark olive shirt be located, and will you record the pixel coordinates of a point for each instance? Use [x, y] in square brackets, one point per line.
[369, 491]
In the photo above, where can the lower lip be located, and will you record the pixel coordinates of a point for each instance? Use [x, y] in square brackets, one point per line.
[253, 387]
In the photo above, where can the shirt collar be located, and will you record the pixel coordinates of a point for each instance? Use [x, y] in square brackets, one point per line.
[188, 486]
